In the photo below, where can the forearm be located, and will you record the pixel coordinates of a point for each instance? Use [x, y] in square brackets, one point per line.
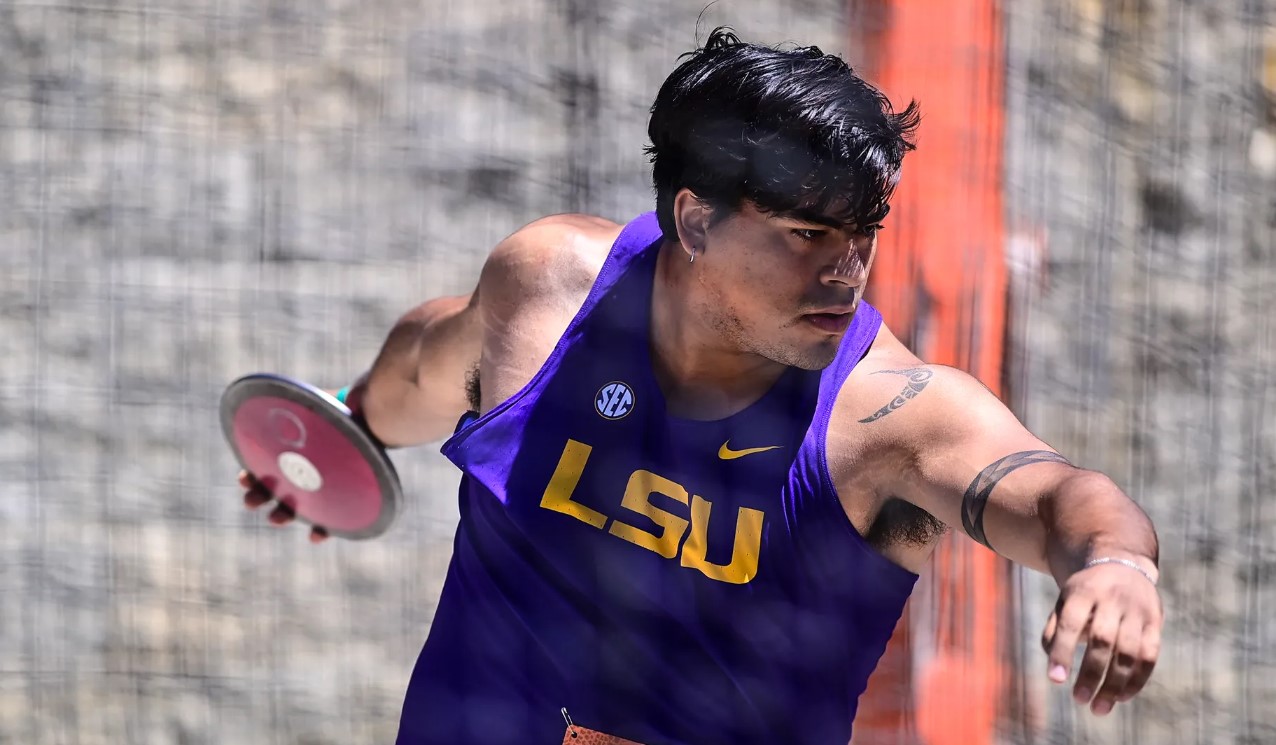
[1086, 517]
[415, 390]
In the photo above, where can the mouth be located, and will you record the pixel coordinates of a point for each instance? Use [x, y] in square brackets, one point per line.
[831, 323]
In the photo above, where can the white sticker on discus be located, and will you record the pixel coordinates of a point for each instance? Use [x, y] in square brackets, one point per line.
[298, 469]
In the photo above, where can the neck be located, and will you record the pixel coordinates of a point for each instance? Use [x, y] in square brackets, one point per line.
[701, 369]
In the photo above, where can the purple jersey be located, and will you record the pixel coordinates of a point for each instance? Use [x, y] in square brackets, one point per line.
[663, 580]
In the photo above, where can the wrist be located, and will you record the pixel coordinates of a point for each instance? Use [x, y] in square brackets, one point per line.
[1145, 565]
[352, 395]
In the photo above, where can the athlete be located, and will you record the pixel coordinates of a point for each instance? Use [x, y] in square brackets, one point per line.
[699, 474]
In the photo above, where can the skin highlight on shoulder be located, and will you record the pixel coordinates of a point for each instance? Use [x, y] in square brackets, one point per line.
[559, 250]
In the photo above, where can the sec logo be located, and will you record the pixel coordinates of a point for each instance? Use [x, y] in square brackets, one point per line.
[614, 400]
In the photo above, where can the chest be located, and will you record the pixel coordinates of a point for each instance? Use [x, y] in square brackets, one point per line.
[642, 508]
[599, 459]
[615, 491]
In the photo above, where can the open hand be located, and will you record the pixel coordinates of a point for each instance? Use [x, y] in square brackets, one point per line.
[1116, 612]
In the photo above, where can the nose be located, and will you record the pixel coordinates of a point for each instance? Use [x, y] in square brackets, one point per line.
[849, 269]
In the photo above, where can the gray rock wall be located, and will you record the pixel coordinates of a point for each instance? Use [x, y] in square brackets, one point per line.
[192, 191]
[1142, 176]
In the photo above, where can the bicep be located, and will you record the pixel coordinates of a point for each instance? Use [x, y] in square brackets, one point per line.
[978, 468]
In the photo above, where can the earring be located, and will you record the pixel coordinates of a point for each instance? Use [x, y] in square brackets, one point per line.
[693, 255]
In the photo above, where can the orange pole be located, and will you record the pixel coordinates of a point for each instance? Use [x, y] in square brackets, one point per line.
[940, 282]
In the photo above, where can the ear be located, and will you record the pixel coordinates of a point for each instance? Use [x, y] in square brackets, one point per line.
[691, 216]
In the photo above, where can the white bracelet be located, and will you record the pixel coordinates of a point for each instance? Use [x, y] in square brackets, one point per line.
[1123, 562]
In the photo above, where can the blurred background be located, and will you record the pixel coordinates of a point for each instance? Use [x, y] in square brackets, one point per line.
[192, 191]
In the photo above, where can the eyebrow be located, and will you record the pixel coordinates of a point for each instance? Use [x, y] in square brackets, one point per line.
[816, 218]
[813, 218]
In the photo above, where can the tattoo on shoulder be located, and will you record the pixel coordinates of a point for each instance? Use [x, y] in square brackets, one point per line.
[976, 499]
[918, 379]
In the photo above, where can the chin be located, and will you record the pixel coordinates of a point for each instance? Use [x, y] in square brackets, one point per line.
[811, 356]
[822, 357]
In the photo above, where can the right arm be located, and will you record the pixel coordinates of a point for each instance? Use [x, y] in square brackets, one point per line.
[529, 288]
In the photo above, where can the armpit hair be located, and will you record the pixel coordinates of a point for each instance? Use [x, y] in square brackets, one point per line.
[473, 392]
[901, 522]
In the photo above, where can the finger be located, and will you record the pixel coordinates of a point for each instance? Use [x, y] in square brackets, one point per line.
[256, 496]
[1125, 653]
[1149, 651]
[246, 480]
[1047, 636]
[282, 514]
[1073, 616]
[1056, 673]
[1099, 643]
[318, 535]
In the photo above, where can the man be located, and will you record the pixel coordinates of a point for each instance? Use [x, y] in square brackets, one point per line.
[699, 473]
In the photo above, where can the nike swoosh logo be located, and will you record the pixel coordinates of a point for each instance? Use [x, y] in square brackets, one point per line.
[726, 453]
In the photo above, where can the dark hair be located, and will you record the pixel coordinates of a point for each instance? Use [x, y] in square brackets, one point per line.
[792, 131]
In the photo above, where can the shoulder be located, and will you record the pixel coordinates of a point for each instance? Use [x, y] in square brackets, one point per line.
[555, 254]
[531, 286]
[892, 383]
[895, 402]
[891, 410]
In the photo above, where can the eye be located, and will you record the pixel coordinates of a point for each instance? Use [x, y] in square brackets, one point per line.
[808, 235]
[871, 230]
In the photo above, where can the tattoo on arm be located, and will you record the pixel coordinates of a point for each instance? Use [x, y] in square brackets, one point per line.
[976, 499]
[918, 378]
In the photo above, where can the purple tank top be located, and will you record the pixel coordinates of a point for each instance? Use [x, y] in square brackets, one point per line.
[663, 580]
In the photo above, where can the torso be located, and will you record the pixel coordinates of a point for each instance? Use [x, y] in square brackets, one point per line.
[521, 333]
[615, 557]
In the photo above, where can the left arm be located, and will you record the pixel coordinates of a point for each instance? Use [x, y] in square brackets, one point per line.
[974, 465]
[979, 468]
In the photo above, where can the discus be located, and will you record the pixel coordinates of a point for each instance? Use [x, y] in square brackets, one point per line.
[312, 453]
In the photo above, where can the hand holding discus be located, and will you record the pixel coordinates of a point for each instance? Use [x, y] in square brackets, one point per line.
[312, 454]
